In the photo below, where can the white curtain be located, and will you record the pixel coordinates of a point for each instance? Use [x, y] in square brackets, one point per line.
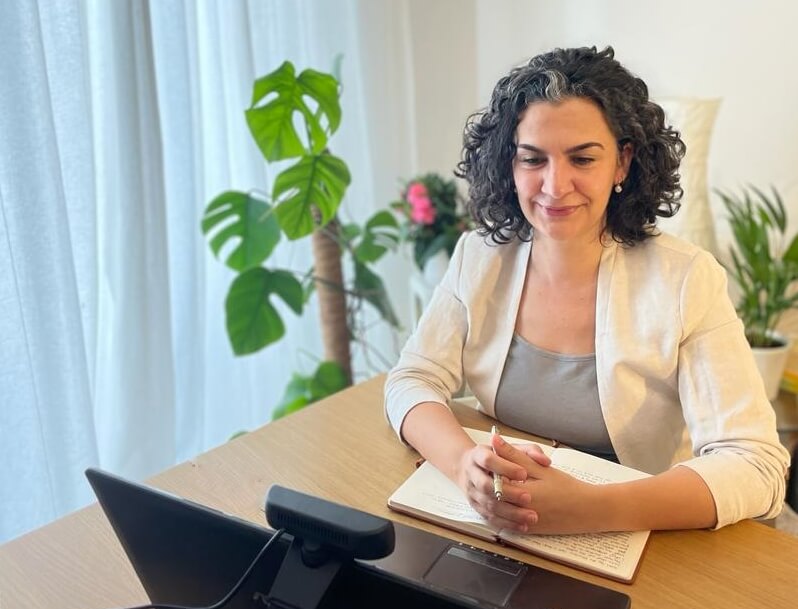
[46, 252]
[119, 121]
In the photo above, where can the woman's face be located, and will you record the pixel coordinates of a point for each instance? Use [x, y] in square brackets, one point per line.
[565, 166]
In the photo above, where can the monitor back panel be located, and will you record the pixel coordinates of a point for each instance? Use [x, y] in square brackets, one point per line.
[185, 553]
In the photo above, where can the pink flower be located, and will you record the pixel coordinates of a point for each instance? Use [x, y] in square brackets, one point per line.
[415, 190]
[421, 209]
[422, 212]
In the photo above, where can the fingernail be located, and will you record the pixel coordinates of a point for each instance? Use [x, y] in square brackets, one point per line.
[533, 519]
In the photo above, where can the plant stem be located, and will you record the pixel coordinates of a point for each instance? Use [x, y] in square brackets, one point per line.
[332, 301]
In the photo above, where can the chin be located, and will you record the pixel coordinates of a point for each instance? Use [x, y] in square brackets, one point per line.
[564, 234]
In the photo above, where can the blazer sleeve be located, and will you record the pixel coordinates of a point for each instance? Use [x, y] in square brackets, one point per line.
[731, 422]
[430, 367]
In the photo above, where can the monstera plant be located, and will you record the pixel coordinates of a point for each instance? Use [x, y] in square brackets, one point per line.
[292, 118]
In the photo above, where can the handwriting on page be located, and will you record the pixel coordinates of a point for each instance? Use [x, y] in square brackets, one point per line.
[450, 507]
[580, 474]
[607, 549]
[593, 469]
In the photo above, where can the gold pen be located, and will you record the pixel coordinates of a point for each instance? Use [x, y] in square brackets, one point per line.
[497, 479]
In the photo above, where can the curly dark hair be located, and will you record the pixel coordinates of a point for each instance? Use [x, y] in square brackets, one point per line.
[651, 187]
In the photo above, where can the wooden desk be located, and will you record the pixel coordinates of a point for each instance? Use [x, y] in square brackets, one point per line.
[343, 449]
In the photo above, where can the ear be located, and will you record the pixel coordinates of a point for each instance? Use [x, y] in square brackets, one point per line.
[624, 161]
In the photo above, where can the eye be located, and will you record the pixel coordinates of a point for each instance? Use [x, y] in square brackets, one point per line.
[583, 161]
[533, 161]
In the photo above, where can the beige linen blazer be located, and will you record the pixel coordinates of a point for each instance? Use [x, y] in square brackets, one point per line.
[676, 378]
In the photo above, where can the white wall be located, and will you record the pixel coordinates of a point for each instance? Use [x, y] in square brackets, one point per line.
[412, 59]
[444, 58]
[417, 56]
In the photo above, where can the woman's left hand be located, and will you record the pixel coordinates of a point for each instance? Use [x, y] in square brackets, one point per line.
[563, 503]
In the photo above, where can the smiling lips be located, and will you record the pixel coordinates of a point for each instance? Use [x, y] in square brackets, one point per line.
[558, 212]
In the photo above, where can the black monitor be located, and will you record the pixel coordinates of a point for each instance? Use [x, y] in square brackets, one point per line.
[188, 554]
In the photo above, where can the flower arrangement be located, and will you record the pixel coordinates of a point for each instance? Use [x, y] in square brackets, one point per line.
[433, 216]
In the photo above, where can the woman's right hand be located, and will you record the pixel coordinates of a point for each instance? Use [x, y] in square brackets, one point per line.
[475, 478]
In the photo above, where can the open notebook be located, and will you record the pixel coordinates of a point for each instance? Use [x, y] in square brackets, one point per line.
[429, 495]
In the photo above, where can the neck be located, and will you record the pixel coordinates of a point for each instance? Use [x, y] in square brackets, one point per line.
[560, 261]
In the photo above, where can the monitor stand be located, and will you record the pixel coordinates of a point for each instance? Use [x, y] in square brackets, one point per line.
[304, 577]
[326, 537]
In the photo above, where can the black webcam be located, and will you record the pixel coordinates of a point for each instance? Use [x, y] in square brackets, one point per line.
[326, 536]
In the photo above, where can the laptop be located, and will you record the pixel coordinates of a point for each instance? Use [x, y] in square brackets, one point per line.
[191, 555]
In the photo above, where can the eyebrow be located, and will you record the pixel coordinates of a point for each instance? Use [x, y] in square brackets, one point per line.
[577, 148]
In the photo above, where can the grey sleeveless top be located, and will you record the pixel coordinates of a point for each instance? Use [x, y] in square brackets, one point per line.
[554, 396]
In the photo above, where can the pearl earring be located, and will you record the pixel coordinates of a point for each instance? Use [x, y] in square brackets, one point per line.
[618, 188]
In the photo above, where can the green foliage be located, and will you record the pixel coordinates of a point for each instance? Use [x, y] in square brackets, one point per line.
[248, 219]
[370, 286]
[316, 182]
[272, 122]
[762, 269]
[327, 379]
[252, 320]
[292, 118]
[379, 235]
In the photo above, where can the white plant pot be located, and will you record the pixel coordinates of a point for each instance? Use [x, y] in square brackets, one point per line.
[423, 283]
[771, 362]
[435, 269]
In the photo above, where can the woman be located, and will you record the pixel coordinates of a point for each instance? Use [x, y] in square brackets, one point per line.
[569, 316]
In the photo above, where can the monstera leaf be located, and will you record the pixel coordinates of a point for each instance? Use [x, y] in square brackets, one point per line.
[277, 96]
[315, 181]
[243, 218]
[252, 320]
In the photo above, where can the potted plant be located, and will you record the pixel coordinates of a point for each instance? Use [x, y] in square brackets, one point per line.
[292, 118]
[764, 271]
[432, 219]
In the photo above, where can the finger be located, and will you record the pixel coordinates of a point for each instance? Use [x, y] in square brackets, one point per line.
[534, 452]
[511, 453]
[503, 514]
[518, 526]
[491, 462]
[513, 491]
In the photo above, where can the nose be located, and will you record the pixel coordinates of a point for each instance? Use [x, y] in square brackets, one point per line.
[557, 179]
